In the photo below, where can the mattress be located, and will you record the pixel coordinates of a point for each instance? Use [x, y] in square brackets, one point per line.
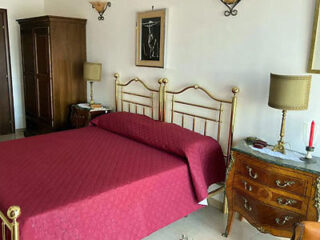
[92, 183]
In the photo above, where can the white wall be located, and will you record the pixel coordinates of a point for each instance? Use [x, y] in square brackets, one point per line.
[19, 9]
[217, 52]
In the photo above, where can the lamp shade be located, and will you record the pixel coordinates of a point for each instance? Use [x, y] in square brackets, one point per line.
[289, 92]
[92, 71]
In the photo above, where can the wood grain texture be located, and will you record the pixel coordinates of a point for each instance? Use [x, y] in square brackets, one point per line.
[7, 124]
[260, 214]
[53, 50]
[256, 196]
[270, 175]
[271, 196]
[81, 117]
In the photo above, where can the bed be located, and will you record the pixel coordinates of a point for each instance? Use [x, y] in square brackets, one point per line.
[123, 177]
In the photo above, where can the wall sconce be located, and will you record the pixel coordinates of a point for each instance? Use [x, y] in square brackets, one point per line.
[101, 7]
[231, 4]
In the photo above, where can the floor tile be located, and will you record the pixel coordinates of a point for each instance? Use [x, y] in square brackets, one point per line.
[17, 135]
[208, 224]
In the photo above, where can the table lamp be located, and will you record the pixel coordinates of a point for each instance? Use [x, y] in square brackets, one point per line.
[288, 93]
[92, 73]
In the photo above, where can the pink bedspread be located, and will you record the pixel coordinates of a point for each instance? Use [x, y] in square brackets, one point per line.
[93, 184]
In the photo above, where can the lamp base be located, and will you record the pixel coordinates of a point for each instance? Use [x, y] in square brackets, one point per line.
[91, 93]
[279, 147]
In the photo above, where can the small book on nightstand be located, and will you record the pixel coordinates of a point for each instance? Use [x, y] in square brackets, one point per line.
[96, 105]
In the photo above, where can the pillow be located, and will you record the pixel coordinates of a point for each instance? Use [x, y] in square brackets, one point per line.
[165, 136]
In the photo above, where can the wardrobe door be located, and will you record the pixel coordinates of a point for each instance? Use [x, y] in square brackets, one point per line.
[6, 98]
[43, 76]
[30, 86]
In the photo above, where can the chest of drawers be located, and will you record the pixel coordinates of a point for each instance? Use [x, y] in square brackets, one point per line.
[272, 194]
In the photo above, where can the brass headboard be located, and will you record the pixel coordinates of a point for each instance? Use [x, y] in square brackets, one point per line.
[210, 108]
[136, 105]
[162, 105]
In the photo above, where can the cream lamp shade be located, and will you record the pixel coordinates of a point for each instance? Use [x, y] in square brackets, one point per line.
[92, 71]
[289, 92]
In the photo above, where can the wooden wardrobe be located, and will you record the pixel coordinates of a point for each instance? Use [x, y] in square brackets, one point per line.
[53, 53]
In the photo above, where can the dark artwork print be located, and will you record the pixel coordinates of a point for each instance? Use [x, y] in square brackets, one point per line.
[150, 38]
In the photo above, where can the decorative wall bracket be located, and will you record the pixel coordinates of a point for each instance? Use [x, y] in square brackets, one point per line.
[101, 7]
[231, 4]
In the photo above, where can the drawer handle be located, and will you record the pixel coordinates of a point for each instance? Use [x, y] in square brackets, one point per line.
[247, 186]
[246, 205]
[251, 174]
[285, 184]
[288, 202]
[284, 221]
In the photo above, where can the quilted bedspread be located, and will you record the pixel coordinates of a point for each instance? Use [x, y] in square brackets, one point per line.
[91, 183]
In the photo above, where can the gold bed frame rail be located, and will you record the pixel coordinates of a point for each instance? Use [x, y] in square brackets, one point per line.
[13, 226]
[221, 102]
[232, 102]
[120, 93]
[163, 92]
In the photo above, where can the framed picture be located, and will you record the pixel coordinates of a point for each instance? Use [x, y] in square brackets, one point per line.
[314, 61]
[150, 49]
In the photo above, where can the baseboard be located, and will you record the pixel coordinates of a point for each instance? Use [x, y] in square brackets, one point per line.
[215, 203]
[20, 130]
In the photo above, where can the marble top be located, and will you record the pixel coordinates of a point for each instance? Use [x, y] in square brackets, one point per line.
[312, 166]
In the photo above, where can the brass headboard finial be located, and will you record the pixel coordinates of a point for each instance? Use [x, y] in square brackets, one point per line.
[235, 90]
[14, 212]
[163, 80]
[116, 75]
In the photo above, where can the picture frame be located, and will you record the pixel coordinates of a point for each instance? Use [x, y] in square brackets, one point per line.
[314, 59]
[150, 38]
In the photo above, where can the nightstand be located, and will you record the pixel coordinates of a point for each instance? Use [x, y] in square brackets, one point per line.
[82, 114]
[272, 194]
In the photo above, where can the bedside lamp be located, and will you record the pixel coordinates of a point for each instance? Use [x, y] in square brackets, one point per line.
[92, 73]
[288, 93]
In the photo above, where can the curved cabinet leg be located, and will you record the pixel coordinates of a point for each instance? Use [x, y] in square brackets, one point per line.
[229, 224]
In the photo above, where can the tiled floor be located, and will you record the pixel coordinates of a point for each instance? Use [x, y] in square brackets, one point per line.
[208, 224]
[19, 134]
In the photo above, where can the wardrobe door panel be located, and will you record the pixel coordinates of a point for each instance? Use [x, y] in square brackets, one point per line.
[44, 100]
[30, 95]
[29, 80]
[27, 50]
[42, 51]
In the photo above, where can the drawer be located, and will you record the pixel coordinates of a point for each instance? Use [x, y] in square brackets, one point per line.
[264, 215]
[271, 196]
[272, 175]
